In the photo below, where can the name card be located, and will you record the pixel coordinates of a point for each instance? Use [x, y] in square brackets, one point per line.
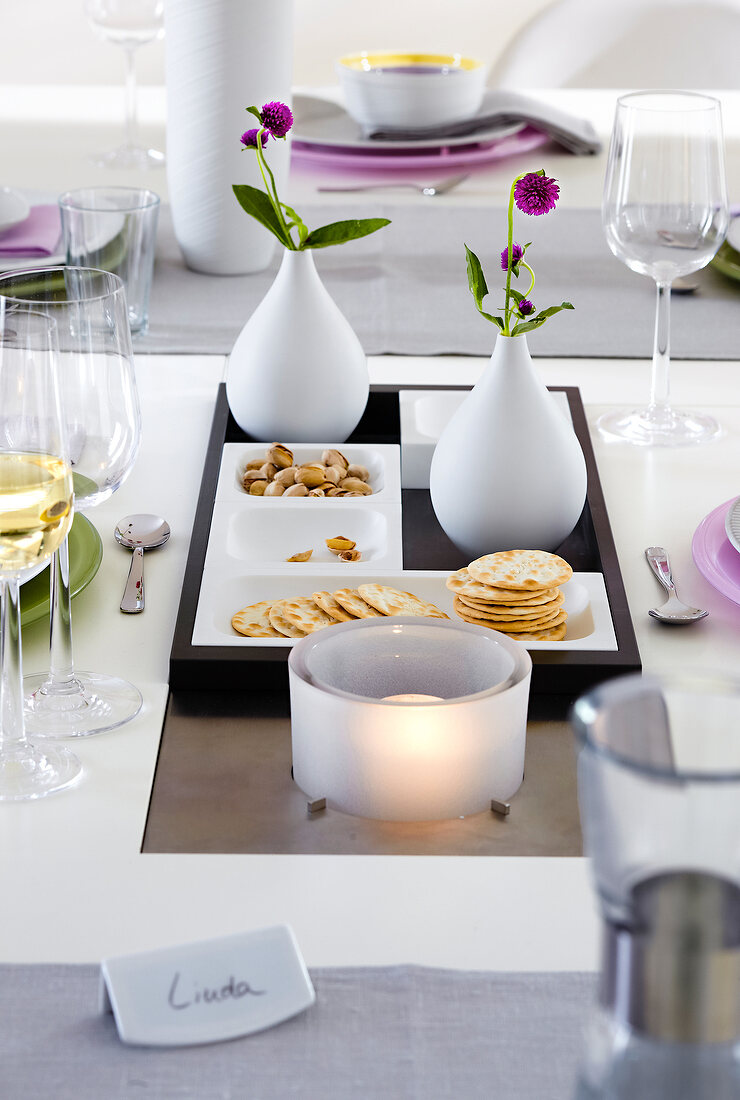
[209, 991]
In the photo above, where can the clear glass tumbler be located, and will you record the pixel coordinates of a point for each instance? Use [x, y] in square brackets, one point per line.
[659, 791]
[114, 228]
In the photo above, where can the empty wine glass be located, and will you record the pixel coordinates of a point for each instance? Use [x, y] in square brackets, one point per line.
[665, 215]
[129, 24]
[35, 516]
[100, 407]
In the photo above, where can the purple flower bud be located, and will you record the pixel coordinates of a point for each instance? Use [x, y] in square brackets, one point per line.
[525, 307]
[535, 194]
[516, 254]
[277, 118]
[249, 139]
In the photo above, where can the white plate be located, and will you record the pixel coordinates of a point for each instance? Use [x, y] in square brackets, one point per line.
[13, 208]
[732, 523]
[227, 588]
[322, 122]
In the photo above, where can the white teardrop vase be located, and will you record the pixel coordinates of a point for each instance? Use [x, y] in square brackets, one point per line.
[297, 371]
[508, 472]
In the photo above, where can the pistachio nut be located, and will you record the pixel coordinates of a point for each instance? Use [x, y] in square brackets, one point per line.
[332, 457]
[305, 556]
[257, 488]
[339, 543]
[249, 476]
[310, 475]
[279, 455]
[286, 476]
[355, 485]
[274, 489]
[334, 492]
[268, 470]
[254, 464]
[296, 491]
[333, 474]
[361, 472]
[316, 492]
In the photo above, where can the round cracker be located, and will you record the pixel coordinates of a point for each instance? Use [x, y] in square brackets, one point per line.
[254, 621]
[555, 635]
[475, 613]
[390, 601]
[514, 625]
[281, 623]
[463, 584]
[521, 570]
[509, 611]
[305, 614]
[328, 604]
[351, 601]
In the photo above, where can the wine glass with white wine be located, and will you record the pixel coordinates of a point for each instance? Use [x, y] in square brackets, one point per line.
[128, 24]
[36, 506]
[665, 214]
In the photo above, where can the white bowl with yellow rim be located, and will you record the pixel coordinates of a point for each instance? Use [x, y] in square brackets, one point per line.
[397, 89]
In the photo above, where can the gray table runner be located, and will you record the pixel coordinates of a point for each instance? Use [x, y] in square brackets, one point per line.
[391, 1033]
[404, 289]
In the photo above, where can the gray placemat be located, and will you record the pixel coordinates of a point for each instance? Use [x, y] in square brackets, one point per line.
[404, 289]
[403, 1032]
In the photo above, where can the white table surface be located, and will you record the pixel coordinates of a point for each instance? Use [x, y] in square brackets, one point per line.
[75, 885]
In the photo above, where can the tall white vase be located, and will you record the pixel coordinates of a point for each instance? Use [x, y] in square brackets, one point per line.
[508, 472]
[220, 57]
[297, 372]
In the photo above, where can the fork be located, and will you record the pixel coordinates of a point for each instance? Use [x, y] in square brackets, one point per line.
[431, 189]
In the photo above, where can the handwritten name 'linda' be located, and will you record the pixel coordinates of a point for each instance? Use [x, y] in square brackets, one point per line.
[179, 998]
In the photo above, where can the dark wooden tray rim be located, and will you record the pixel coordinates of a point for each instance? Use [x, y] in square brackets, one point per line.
[589, 548]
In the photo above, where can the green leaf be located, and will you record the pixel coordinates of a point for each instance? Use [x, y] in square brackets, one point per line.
[552, 310]
[515, 294]
[527, 326]
[297, 222]
[256, 113]
[476, 278]
[341, 232]
[256, 203]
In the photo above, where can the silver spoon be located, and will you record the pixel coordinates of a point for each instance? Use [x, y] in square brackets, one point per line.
[431, 189]
[673, 610]
[139, 533]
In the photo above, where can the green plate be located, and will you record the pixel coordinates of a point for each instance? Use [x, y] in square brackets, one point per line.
[85, 556]
[727, 261]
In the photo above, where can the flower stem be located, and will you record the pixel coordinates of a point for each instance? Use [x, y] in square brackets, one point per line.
[271, 189]
[507, 304]
[529, 269]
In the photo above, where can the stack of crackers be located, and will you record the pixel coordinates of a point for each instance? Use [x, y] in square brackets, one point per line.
[295, 618]
[516, 592]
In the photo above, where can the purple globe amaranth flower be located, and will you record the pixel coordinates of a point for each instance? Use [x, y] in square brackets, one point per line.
[525, 307]
[249, 139]
[534, 194]
[516, 254]
[277, 118]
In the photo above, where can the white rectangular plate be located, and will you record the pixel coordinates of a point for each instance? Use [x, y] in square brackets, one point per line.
[227, 588]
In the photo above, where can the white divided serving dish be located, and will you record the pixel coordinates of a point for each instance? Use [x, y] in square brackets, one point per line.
[227, 588]
[424, 415]
[381, 459]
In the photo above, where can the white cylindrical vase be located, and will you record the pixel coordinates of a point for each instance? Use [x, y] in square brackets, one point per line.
[222, 56]
[508, 472]
[297, 370]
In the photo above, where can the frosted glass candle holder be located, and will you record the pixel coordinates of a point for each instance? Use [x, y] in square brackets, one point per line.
[409, 719]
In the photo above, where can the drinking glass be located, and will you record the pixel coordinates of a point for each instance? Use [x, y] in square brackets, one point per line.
[100, 407]
[129, 24]
[35, 516]
[665, 214]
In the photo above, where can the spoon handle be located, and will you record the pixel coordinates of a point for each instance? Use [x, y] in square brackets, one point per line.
[133, 593]
[660, 565]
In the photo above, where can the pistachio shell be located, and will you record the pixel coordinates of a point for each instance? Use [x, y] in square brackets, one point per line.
[296, 491]
[286, 476]
[274, 489]
[350, 555]
[339, 543]
[305, 556]
[361, 472]
[332, 457]
[279, 455]
[354, 485]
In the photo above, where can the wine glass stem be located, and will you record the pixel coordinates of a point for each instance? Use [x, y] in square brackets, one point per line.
[131, 126]
[11, 672]
[61, 672]
[660, 383]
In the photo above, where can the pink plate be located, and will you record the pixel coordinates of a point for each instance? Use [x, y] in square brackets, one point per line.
[329, 156]
[714, 555]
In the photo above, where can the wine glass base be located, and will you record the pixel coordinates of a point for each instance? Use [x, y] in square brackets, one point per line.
[130, 156]
[29, 771]
[658, 427]
[95, 704]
